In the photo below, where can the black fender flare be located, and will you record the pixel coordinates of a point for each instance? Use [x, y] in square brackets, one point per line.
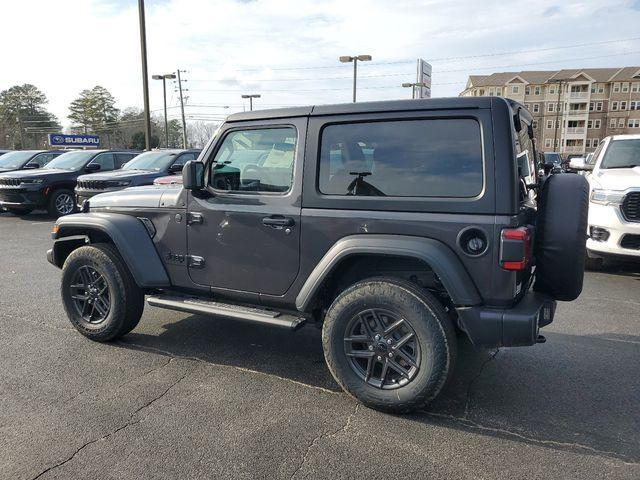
[128, 234]
[444, 262]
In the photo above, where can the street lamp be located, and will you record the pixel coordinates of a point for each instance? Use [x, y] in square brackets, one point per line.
[354, 59]
[164, 78]
[251, 97]
[413, 87]
[145, 79]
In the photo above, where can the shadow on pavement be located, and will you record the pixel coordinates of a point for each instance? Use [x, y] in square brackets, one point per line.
[577, 393]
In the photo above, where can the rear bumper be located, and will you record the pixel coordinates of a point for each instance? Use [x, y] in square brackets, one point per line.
[508, 327]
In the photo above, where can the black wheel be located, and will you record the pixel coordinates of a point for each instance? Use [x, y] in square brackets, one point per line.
[389, 343]
[19, 211]
[62, 202]
[99, 294]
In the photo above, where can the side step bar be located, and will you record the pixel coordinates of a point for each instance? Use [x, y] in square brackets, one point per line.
[206, 307]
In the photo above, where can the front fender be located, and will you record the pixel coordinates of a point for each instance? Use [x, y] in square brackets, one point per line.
[434, 253]
[127, 233]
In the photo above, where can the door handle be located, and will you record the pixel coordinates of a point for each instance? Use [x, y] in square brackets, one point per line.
[278, 221]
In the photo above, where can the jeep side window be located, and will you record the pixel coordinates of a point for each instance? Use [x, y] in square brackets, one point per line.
[402, 158]
[105, 160]
[43, 158]
[257, 160]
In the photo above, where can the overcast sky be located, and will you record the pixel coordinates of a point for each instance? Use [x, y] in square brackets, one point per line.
[274, 47]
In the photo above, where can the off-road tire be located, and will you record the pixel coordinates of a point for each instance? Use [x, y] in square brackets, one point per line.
[126, 298]
[52, 205]
[433, 328]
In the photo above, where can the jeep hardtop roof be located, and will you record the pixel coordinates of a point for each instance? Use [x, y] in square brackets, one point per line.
[449, 103]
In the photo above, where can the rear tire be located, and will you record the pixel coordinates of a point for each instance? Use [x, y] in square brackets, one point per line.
[357, 354]
[99, 294]
[62, 202]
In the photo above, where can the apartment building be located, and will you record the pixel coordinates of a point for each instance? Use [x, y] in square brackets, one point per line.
[572, 109]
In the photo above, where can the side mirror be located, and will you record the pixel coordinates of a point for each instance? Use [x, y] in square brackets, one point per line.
[175, 168]
[193, 175]
[92, 167]
[31, 166]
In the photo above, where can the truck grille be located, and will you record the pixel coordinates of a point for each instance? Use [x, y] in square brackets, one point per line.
[92, 184]
[11, 182]
[631, 207]
[631, 241]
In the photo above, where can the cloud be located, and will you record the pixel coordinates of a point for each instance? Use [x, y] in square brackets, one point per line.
[273, 46]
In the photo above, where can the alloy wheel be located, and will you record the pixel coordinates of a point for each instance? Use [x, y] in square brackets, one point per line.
[64, 204]
[382, 348]
[90, 294]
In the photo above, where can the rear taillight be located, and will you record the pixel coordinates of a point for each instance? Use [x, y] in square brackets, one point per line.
[515, 248]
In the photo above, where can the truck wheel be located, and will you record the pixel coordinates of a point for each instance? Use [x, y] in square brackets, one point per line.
[389, 343]
[99, 293]
[62, 202]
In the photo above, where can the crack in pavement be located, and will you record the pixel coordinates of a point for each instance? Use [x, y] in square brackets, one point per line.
[536, 441]
[129, 423]
[235, 367]
[316, 439]
[473, 381]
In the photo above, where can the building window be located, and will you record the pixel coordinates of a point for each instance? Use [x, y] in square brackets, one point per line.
[625, 87]
[491, 92]
[614, 106]
[616, 87]
[550, 107]
[482, 92]
[549, 124]
[547, 143]
[590, 124]
[527, 90]
[598, 106]
[635, 87]
[499, 91]
[621, 122]
[557, 142]
[536, 90]
[536, 107]
[612, 123]
[552, 89]
[623, 105]
[634, 123]
[515, 89]
[534, 124]
[591, 106]
[597, 123]
[588, 144]
[594, 142]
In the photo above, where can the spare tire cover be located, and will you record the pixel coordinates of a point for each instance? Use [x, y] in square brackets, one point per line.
[561, 236]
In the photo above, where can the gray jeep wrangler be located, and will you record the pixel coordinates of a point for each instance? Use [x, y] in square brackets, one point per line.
[395, 226]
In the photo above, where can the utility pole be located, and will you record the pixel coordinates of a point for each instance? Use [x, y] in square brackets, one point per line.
[145, 79]
[184, 122]
[354, 59]
[251, 97]
[555, 134]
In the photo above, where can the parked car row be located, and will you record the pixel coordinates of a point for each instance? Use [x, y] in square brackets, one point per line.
[60, 181]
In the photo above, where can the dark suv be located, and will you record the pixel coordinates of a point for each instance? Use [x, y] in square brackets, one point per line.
[27, 159]
[51, 187]
[141, 170]
[389, 224]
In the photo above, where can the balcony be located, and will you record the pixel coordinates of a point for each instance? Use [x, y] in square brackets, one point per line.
[573, 149]
[578, 95]
[578, 130]
[577, 113]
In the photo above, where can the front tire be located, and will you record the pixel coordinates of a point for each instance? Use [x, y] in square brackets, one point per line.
[390, 344]
[99, 293]
[62, 202]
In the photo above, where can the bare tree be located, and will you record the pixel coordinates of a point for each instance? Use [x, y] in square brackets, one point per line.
[201, 132]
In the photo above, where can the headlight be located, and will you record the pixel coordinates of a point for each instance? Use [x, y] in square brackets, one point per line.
[32, 180]
[607, 197]
[118, 183]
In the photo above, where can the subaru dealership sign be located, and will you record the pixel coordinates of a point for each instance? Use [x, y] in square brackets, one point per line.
[62, 140]
[424, 79]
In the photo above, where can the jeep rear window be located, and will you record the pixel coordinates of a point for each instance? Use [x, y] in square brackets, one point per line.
[403, 158]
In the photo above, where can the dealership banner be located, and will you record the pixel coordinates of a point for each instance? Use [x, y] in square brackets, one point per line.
[62, 140]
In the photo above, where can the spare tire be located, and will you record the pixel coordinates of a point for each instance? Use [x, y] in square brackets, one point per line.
[561, 236]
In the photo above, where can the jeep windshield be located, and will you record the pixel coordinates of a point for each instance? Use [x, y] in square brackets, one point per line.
[151, 161]
[552, 158]
[71, 161]
[622, 154]
[15, 159]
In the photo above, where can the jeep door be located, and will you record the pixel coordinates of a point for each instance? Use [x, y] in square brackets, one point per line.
[244, 227]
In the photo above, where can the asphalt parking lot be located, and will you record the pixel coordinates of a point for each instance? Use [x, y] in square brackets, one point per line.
[190, 397]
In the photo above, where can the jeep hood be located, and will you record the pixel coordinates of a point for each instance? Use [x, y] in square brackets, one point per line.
[121, 175]
[38, 173]
[151, 196]
[616, 178]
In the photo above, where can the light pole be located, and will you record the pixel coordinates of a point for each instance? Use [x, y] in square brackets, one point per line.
[251, 97]
[145, 75]
[354, 59]
[164, 78]
[413, 87]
